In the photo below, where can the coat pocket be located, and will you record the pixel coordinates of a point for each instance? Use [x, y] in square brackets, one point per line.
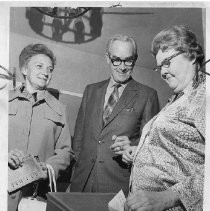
[129, 109]
[53, 116]
[12, 109]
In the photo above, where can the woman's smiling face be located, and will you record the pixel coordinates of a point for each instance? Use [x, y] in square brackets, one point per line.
[38, 71]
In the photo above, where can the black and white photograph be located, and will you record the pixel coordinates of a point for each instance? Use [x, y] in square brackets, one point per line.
[104, 106]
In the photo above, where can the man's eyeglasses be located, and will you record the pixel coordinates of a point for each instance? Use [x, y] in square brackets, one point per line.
[166, 62]
[129, 62]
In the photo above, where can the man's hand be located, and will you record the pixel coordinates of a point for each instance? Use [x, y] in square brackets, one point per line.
[128, 154]
[121, 143]
[15, 158]
[151, 201]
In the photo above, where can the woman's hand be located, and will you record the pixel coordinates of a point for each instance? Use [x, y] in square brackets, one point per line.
[128, 154]
[44, 168]
[15, 158]
[151, 201]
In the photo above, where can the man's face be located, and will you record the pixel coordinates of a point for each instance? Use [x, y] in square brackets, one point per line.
[121, 50]
[38, 71]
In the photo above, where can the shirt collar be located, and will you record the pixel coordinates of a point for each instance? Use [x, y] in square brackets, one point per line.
[112, 83]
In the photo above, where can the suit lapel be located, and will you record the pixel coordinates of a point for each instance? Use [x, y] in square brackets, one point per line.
[128, 94]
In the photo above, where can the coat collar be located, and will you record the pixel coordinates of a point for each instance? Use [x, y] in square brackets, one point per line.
[51, 101]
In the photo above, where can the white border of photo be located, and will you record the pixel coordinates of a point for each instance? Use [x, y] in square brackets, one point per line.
[4, 60]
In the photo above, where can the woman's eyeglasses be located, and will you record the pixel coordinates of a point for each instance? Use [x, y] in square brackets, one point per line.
[166, 62]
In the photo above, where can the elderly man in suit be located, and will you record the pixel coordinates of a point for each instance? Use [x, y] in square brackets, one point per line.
[111, 109]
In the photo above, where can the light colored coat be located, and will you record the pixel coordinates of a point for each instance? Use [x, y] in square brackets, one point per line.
[39, 128]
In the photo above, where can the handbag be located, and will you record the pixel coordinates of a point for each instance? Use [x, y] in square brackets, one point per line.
[32, 203]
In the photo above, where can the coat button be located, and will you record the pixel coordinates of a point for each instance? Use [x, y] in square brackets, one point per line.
[99, 142]
[13, 196]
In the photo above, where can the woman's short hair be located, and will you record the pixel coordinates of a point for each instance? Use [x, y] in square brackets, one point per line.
[179, 38]
[123, 38]
[32, 50]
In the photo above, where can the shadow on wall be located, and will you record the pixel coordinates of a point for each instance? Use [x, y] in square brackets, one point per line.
[83, 29]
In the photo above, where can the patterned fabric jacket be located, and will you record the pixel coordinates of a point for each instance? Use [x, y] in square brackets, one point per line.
[171, 149]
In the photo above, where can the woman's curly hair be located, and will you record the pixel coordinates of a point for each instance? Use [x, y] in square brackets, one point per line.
[179, 38]
[32, 50]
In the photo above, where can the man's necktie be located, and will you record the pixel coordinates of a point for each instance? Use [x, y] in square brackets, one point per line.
[112, 101]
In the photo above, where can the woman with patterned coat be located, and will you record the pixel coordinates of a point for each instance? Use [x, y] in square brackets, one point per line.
[168, 164]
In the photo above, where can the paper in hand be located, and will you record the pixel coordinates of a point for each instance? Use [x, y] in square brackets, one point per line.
[117, 203]
[29, 172]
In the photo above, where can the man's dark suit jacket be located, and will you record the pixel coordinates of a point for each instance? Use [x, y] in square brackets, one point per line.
[92, 140]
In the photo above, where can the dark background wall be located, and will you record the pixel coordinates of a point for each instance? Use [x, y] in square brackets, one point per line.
[79, 44]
